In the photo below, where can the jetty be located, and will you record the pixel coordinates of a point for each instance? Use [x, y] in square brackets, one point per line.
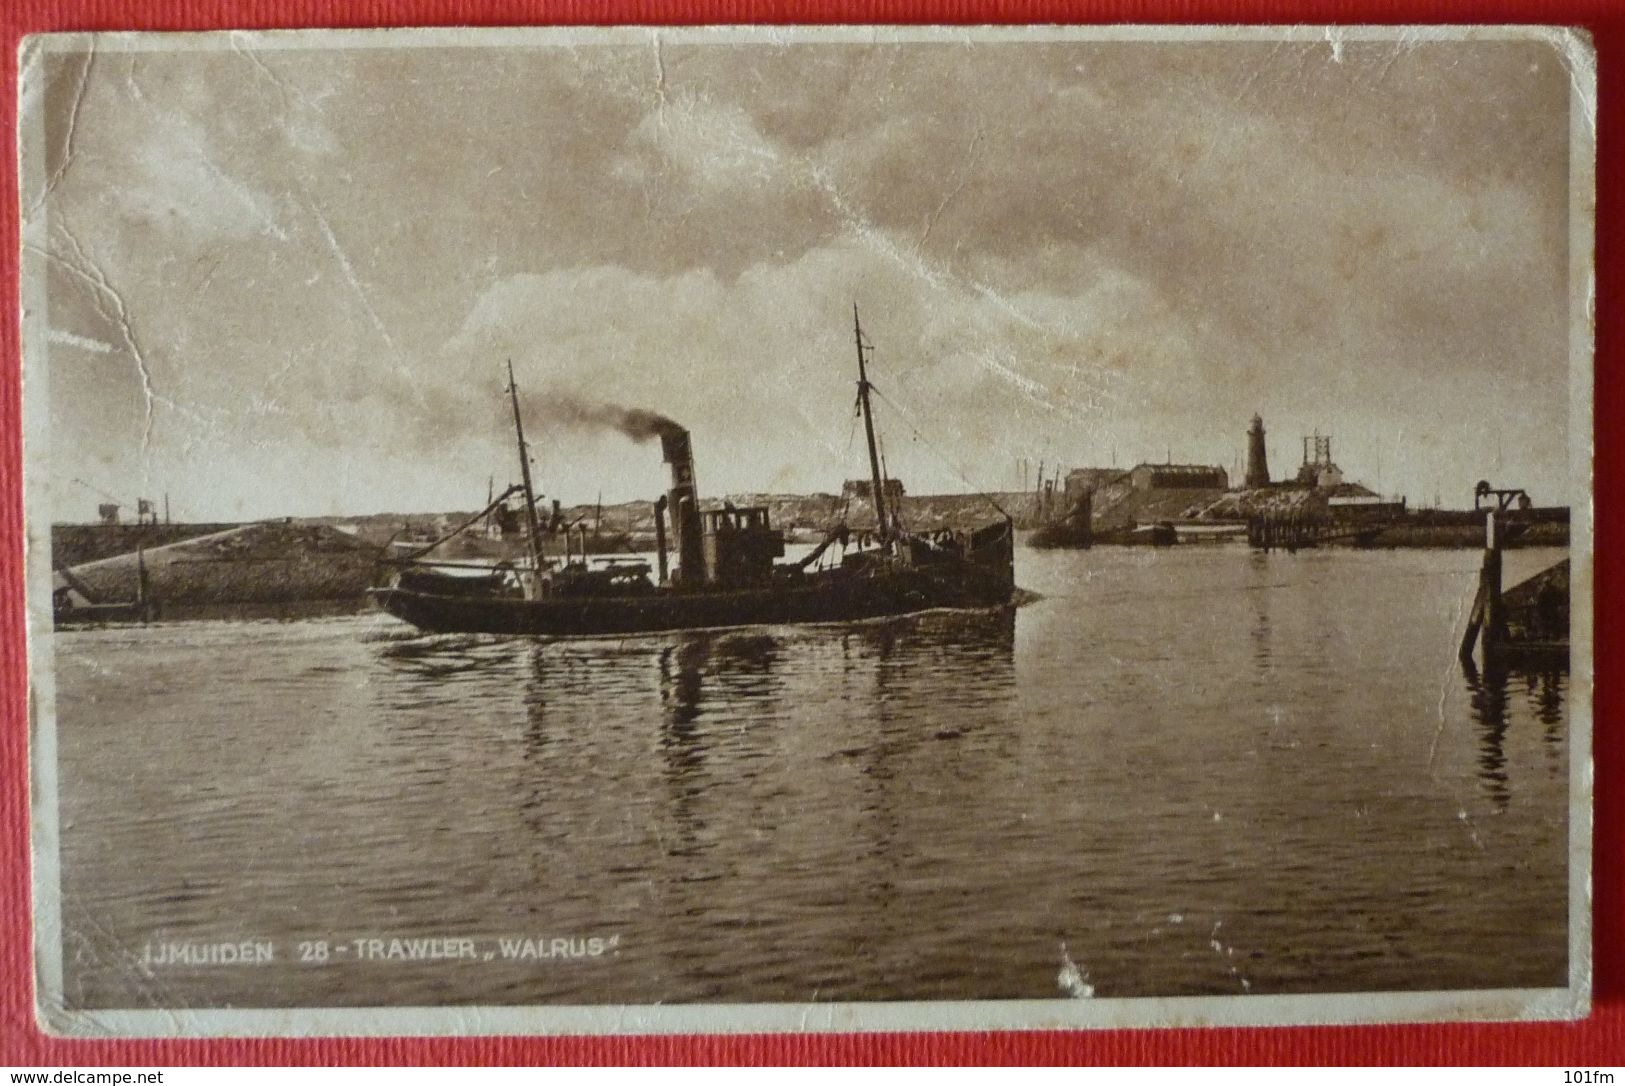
[1527, 624]
[253, 568]
[1302, 529]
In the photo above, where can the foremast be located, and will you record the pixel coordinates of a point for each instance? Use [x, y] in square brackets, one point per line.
[883, 532]
[533, 527]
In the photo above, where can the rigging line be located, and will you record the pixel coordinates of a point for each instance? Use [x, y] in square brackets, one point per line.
[464, 526]
[955, 468]
[851, 432]
[99, 490]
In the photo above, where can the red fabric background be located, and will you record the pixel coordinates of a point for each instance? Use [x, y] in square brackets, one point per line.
[1598, 1041]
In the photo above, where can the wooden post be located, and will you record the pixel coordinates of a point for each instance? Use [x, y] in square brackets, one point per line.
[1488, 614]
[142, 597]
[1495, 626]
[1475, 621]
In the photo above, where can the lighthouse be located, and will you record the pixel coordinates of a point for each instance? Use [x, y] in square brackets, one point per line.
[1258, 467]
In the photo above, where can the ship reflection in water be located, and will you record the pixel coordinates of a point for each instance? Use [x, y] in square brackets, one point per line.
[1200, 770]
[1490, 691]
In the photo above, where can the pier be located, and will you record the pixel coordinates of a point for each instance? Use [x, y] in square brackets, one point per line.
[1295, 530]
[1530, 621]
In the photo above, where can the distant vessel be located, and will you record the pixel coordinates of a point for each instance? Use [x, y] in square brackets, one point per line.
[1073, 530]
[727, 572]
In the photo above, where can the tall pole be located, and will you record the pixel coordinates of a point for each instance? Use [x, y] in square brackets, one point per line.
[869, 428]
[524, 474]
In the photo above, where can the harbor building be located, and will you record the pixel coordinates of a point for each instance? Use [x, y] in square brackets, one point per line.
[1145, 477]
[1318, 470]
[1196, 501]
[1144, 495]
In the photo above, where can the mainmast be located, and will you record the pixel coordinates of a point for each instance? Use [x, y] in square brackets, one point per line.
[869, 427]
[535, 531]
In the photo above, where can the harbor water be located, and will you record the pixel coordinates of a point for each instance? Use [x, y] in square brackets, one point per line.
[1193, 771]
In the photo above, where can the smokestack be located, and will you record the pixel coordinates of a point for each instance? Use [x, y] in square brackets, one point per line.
[684, 503]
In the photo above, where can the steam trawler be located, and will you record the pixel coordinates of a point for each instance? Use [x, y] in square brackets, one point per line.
[727, 572]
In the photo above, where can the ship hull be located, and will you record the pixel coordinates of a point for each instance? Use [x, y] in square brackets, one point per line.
[839, 599]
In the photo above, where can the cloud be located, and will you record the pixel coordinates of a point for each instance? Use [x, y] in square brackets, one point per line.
[1060, 251]
[761, 367]
[176, 180]
[703, 144]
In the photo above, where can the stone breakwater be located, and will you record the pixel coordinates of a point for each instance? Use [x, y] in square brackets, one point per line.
[76, 544]
[261, 564]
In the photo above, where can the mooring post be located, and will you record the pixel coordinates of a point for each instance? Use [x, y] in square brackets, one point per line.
[1487, 614]
[1494, 613]
[140, 576]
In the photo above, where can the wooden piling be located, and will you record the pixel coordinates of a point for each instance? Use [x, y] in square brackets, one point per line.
[1488, 614]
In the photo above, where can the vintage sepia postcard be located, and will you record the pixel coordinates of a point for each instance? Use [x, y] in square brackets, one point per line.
[641, 530]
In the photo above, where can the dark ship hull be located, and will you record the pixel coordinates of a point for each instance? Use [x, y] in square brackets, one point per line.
[96, 614]
[727, 569]
[1067, 534]
[836, 596]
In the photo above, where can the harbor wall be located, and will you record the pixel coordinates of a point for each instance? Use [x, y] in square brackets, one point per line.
[269, 563]
[629, 526]
[1123, 511]
[76, 544]
[1430, 528]
[815, 514]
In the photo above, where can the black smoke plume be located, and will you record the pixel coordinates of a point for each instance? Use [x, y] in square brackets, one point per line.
[637, 423]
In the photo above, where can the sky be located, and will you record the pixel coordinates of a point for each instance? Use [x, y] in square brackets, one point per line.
[287, 281]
